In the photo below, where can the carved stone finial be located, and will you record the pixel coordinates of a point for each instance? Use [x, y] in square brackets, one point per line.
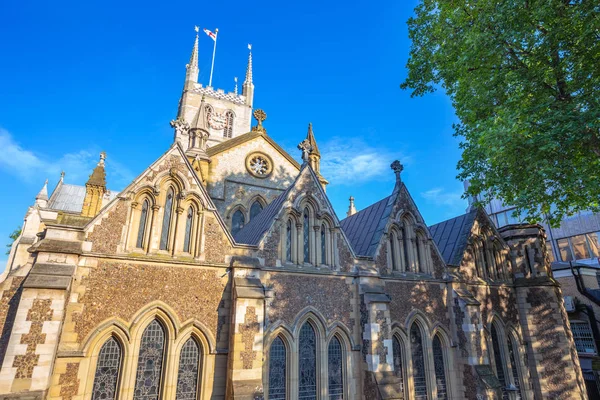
[181, 127]
[259, 116]
[306, 148]
[62, 176]
[397, 167]
[351, 208]
[102, 158]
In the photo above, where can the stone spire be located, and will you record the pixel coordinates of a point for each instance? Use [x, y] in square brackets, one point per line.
[311, 154]
[351, 208]
[248, 86]
[192, 70]
[42, 197]
[95, 188]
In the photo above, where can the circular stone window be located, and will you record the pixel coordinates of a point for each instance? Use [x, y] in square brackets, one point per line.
[259, 165]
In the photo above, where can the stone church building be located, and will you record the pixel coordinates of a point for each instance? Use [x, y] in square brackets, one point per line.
[223, 272]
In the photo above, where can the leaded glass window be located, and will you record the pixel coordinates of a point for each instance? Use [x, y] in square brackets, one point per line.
[150, 360]
[237, 221]
[440, 368]
[107, 371]
[228, 130]
[418, 261]
[398, 362]
[393, 251]
[405, 249]
[336, 375]
[307, 358]
[515, 371]
[288, 241]
[187, 378]
[418, 361]
[306, 233]
[188, 230]
[255, 209]
[323, 245]
[277, 370]
[499, 361]
[142, 226]
[164, 235]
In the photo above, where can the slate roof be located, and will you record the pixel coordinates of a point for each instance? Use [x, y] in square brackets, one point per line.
[364, 229]
[253, 231]
[451, 236]
[67, 197]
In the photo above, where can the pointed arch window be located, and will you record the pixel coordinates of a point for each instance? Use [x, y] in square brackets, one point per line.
[142, 227]
[405, 249]
[228, 130]
[166, 225]
[499, 361]
[335, 372]
[237, 221]
[307, 359]
[419, 258]
[107, 371]
[440, 369]
[323, 245]
[393, 245]
[150, 362]
[398, 362]
[189, 221]
[255, 209]
[513, 364]
[189, 371]
[418, 363]
[277, 370]
[306, 233]
[288, 241]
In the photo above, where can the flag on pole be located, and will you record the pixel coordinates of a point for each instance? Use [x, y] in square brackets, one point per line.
[212, 35]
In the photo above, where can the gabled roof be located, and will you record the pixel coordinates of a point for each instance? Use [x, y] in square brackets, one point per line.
[254, 230]
[451, 236]
[231, 143]
[364, 229]
[67, 197]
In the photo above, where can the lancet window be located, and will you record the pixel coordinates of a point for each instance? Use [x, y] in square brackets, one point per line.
[107, 371]
[307, 359]
[440, 368]
[150, 362]
[306, 235]
[419, 253]
[255, 209]
[164, 235]
[237, 221]
[405, 257]
[288, 241]
[513, 364]
[189, 368]
[277, 370]
[335, 370]
[418, 363]
[189, 222]
[398, 362]
[499, 361]
[142, 226]
[323, 245]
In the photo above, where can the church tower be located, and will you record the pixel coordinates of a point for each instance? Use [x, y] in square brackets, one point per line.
[225, 115]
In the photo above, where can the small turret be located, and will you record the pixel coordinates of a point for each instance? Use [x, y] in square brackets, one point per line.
[351, 208]
[95, 188]
[41, 200]
[311, 154]
[248, 86]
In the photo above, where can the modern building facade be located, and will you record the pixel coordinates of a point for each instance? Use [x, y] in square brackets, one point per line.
[223, 272]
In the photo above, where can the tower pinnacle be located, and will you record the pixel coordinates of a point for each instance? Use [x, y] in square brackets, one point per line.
[248, 86]
[42, 197]
[192, 69]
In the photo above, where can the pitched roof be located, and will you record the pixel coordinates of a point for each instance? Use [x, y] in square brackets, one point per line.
[451, 236]
[364, 229]
[253, 231]
[67, 198]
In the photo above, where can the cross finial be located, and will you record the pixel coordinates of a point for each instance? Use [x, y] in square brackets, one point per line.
[397, 167]
[306, 149]
[260, 116]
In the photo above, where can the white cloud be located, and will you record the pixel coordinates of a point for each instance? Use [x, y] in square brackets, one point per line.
[32, 167]
[351, 161]
[439, 196]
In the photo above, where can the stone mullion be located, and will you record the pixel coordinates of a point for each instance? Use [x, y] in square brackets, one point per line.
[300, 244]
[153, 224]
[171, 244]
[316, 254]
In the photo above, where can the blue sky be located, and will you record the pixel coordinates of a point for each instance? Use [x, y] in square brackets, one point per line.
[80, 77]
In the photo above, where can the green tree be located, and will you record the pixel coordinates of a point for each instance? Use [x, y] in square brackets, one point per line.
[524, 79]
[13, 236]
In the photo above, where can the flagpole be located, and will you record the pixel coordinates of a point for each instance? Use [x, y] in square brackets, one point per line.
[213, 59]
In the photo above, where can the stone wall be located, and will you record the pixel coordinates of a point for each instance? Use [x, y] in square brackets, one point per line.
[426, 297]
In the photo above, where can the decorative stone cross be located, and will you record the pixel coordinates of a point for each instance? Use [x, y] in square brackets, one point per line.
[260, 116]
[397, 167]
[306, 148]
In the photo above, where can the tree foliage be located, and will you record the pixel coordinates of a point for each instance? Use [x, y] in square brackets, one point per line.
[524, 79]
[13, 236]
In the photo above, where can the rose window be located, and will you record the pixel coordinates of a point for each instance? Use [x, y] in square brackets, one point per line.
[259, 165]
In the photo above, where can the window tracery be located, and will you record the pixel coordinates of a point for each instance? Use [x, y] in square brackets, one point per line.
[107, 371]
[142, 226]
[188, 375]
[307, 369]
[237, 221]
[440, 369]
[188, 229]
[166, 225]
[398, 362]
[150, 361]
[277, 370]
[335, 365]
[418, 363]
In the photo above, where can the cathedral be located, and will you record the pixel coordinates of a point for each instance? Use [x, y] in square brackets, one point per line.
[223, 272]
